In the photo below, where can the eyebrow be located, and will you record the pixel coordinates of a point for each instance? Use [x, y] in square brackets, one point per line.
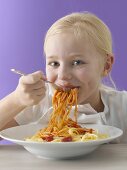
[50, 57]
[76, 55]
[71, 55]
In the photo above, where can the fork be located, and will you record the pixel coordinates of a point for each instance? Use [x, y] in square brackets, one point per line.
[57, 87]
[24, 74]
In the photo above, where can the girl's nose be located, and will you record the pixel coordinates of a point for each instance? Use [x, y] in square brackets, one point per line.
[64, 73]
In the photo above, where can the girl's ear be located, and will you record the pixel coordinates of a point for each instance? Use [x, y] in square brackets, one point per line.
[108, 65]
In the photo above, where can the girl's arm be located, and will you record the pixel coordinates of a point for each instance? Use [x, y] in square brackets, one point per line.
[30, 91]
[8, 110]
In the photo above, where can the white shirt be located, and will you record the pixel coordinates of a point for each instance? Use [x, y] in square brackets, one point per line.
[114, 114]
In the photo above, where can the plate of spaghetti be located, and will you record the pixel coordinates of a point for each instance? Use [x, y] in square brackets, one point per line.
[62, 137]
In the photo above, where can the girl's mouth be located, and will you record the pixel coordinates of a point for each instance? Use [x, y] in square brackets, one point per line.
[67, 87]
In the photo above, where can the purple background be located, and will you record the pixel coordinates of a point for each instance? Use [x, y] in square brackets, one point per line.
[23, 24]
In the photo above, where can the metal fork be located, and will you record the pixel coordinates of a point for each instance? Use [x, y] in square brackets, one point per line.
[24, 74]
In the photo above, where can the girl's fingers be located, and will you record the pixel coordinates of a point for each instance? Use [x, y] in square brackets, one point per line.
[39, 92]
[30, 87]
[36, 92]
[38, 85]
[32, 78]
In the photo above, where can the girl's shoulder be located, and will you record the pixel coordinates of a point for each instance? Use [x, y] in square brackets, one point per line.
[108, 93]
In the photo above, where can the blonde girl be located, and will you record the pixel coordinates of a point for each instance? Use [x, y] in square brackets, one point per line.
[78, 50]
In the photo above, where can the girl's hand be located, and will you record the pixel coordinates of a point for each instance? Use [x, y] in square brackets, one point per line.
[30, 90]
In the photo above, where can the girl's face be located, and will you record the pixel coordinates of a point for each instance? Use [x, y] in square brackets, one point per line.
[73, 62]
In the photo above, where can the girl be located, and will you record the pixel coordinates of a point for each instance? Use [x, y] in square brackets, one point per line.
[78, 50]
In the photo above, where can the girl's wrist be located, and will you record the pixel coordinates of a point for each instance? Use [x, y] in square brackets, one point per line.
[16, 101]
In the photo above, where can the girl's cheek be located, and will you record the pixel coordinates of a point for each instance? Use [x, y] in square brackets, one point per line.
[81, 75]
[48, 71]
[84, 74]
[48, 74]
[51, 76]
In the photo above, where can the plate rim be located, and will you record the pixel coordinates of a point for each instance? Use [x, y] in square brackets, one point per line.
[3, 135]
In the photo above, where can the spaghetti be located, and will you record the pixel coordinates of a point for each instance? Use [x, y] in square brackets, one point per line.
[61, 128]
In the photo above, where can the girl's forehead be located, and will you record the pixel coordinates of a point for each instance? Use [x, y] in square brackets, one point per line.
[68, 36]
[69, 42]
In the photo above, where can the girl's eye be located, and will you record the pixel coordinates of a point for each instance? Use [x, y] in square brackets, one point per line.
[54, 64]
[77, 62]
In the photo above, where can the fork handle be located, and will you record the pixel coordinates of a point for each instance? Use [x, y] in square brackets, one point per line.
[23, 74]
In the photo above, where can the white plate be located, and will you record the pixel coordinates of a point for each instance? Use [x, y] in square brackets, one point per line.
[61, 150]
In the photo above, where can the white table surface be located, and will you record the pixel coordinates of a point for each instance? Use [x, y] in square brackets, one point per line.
[106, 157]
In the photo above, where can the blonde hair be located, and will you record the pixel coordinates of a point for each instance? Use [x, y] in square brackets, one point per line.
[85, 25]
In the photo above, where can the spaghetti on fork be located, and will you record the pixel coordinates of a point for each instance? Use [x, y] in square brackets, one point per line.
[61, 128]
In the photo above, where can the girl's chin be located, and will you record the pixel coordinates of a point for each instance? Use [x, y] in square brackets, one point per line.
[80, 101]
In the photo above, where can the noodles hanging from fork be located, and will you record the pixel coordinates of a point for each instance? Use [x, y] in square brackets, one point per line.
[61, 128]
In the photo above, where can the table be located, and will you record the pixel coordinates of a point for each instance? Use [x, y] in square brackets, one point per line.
[106, 157]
